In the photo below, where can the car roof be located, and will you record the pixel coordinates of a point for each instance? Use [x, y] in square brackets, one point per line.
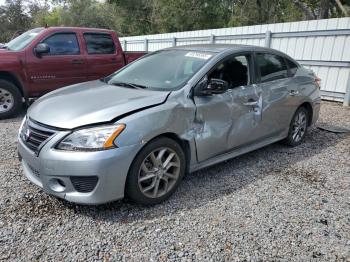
[221, 48]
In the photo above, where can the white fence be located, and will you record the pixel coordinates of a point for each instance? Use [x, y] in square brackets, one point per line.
[322, 45]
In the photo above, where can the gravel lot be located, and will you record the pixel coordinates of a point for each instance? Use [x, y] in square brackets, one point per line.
[276, 203]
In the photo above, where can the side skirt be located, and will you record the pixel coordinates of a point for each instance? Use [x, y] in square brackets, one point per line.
[235, 153]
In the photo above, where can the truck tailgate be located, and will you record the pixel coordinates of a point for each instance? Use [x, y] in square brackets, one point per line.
[131, 56]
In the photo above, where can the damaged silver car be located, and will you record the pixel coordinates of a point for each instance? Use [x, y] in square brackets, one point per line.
[137, 132]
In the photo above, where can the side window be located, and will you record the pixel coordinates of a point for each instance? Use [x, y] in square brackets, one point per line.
[234, 70]
[272, 67]
[293, 67]
[99, 43]
[63, 44]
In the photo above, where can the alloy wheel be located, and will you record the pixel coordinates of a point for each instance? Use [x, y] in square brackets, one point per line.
[299, 126]
[6, 100]
[159, 172]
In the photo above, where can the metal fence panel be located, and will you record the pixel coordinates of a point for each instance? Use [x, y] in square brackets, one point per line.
[322, 45]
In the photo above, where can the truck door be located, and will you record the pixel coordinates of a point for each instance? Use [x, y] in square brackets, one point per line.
[63, 65]
[103, 56]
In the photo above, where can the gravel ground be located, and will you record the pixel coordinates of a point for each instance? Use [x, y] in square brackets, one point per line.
[276, 203]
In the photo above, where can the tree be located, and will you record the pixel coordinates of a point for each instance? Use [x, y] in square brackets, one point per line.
[13, 20]
[137, 17]
[321, 9]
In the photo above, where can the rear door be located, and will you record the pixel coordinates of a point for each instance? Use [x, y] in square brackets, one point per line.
[63, 65]
[274, 82]
[102, 54]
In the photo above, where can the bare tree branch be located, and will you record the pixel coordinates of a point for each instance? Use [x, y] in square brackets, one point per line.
[341, 7]
[307, 10]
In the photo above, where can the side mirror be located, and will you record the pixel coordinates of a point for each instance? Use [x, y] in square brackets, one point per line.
[41, 48]
[209, 87]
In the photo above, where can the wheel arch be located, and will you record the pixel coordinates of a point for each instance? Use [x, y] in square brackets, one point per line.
[184, 144]
[308, 107]
[4, 75]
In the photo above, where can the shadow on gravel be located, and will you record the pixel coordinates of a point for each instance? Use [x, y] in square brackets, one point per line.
[199, 188]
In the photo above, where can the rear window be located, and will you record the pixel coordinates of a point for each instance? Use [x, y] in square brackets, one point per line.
[272, 67]
[293, 67]
[99, 43]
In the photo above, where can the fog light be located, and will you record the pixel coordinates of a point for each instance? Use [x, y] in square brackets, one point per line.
[57, 185]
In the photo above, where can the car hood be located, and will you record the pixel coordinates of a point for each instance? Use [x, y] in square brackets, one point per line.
[90, 103]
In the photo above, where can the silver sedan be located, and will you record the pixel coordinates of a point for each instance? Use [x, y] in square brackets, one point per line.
[137, 132]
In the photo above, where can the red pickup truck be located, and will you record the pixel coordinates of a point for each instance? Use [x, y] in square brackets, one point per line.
[43, 59]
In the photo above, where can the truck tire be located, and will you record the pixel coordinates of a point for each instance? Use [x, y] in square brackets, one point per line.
[10, 99]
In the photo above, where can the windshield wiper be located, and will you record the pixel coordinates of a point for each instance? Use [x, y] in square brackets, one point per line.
[130, 85]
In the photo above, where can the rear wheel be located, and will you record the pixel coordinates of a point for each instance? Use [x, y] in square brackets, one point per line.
[10, 99]
[156, 172]
[298, 127]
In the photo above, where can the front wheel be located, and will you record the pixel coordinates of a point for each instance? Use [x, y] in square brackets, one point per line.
[10, 99]
[156, 172]
[298, 127]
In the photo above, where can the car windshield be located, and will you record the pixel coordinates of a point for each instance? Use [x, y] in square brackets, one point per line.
[23, 40]
[163, 70]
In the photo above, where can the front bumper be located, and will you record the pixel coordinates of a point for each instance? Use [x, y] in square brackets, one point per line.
[52, 165]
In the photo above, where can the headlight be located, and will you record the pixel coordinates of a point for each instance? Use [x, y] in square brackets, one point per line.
[92, 139]
[22, 124]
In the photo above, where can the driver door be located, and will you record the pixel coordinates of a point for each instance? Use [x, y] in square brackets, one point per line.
[64, 64]
[229, 120]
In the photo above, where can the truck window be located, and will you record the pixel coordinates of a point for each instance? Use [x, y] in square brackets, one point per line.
[98, 43]
[63, 44]
[20, 42]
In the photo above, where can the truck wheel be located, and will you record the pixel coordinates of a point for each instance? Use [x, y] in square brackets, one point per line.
[10, 99]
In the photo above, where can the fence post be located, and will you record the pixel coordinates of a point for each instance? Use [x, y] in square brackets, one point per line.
[268, 36]
[173, 41]
[212, 39]
[347, 93]
[145, 45]
[124, 45]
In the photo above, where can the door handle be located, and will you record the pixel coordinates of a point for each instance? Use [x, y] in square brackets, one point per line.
[77, 61]
[251, 102]
[293, 92]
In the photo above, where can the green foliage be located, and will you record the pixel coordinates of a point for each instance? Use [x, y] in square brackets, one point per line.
[136, 17]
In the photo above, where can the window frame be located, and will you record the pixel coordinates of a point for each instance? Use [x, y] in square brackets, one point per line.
[257, 68]
[61, 33]
[289, 68]
[251, 70]
[99, 33]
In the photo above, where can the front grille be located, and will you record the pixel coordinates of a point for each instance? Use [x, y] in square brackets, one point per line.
[84, 184]
[34, 135]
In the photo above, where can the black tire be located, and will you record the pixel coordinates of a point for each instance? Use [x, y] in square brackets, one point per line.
[132, 188]
[17, 100]
[290, 140]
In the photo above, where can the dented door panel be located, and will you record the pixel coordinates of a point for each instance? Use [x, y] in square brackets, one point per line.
[276, 106]
[247, 115]
[213, 121]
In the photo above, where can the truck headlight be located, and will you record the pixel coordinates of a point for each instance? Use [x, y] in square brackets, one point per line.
[92, 139]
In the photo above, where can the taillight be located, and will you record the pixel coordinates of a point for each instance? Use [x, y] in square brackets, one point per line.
[318, 81]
